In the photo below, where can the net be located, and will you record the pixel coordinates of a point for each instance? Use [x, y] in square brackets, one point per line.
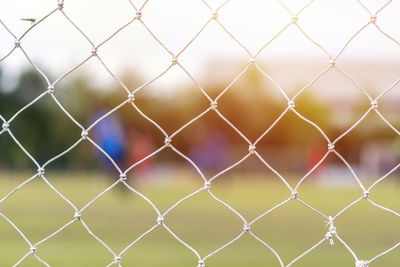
[161, 221]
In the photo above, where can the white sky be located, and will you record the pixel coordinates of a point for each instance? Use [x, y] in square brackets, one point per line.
[56, 46]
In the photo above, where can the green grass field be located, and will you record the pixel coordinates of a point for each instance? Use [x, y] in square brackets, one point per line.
[120, 216]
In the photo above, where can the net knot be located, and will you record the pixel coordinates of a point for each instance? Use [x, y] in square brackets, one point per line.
[117, 260]
[252, 149]
[40, 171]
[214, 105]
[252, 61]
[77, 215]
[332, 63]
[246, 228]
[361, 263]
[207, 185]
[160, 220]
[295, 19]
[84, 134]
[5, 126]
[366, 195]
[214, 15]
[139, 15]
[331, 147]
[33, 250]
[94, 52]
[17, 43]
[332, 230]
[373, 19]
[201, 263]
[50, 89]
[329, 221]
[61, 5]
[291, 104]
[174, 61]
[329, 236]
[295, 195]
[131, 98]
[122, 177]
[167, 141]
[374, 104]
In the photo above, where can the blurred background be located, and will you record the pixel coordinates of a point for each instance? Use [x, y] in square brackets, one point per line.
[252, 104]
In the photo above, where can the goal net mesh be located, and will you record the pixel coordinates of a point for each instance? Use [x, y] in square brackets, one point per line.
[161, 221]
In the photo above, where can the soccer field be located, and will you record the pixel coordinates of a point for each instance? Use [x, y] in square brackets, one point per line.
[119, 217]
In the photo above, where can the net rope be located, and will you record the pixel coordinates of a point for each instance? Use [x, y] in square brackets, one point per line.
[332, 235]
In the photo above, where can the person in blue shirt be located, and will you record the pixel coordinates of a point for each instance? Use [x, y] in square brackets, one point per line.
[109, 134]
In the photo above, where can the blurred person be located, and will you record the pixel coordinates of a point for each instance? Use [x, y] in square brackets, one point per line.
[213, 154]
[109, 134]
[378, 157]
[140, 145]
[315, 152]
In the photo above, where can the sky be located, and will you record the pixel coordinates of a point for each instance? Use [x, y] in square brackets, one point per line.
[56, 46]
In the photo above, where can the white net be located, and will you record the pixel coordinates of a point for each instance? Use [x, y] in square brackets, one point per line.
[161, 221]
